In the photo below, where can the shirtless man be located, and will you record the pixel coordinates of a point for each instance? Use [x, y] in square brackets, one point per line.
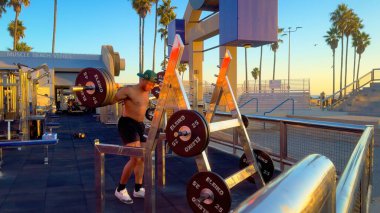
[131, 130]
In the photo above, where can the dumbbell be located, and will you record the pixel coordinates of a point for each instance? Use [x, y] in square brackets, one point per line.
[79, 135]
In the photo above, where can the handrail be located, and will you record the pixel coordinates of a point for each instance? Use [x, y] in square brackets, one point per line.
[257, 103]
[303, 122]
[309, 186]
[281, 105]
[331, 101]
[352, 177]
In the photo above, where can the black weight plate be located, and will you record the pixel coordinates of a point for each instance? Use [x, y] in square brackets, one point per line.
[92, 77]
[156, 91]
[160, 77]
[149, 113]
[264, 162]
[245, 121]
[220, 200]
[192, 144]
[111, 87]
[108, 85]
[208, 129]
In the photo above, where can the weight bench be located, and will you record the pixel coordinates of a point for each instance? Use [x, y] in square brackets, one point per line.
[47, 140]
[52, 125]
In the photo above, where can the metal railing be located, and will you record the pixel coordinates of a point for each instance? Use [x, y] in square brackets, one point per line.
[353, 193]
[315, 175]
[348, 146]
[280, 104]
[338, 97]
[257, 103]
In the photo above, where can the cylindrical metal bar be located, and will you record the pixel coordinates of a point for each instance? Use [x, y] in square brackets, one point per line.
[240, 176]
[313, 177]
[351, 178]
[99, 179]
[81, 88]
[220, 125]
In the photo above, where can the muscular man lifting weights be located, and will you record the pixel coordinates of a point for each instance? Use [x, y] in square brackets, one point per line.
[131, 130]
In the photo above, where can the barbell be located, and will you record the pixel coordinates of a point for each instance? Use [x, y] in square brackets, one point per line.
[95, 87]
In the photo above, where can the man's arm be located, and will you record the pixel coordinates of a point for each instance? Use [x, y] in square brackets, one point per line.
[121, 94]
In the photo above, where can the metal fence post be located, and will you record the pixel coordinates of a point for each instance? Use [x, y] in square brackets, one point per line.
[235, 140]
[283, 144]
[99, 179]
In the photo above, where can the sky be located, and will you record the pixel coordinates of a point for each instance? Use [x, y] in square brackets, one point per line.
[84, 26]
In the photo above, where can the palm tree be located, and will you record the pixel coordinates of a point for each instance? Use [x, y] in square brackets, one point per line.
[142, 7]
[3, 3]
[246, 68]
[363, 42]
[20, 30]
[155, 34]
[163, 64]
[255, 73]
[274, 47]
[17, 6]
[54, 27]
[354, 45]
[182, 69]
[338, 19]
[332, 39]
[353, 24]
[22, 47]
[167, 14]
[261, 60]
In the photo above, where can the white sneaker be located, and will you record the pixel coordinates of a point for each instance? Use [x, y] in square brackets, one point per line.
[140, 193]
[123, 196]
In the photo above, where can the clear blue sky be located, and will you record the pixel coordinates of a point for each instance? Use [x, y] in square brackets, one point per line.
[83, 26]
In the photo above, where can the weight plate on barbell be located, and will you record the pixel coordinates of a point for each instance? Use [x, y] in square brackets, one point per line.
[208, 192]
[160, 77]
[149, 113]
[111, 88]
[116, 62]
[92, 77]
[108, 86]
[194, 142]
[156, 91]
[264, 162]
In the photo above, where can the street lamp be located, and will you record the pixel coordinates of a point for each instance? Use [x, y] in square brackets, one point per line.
[290, 31]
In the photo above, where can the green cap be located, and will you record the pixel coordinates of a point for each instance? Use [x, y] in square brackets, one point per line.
[148, 75]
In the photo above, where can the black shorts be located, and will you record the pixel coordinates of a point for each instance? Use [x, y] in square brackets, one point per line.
[131, 130]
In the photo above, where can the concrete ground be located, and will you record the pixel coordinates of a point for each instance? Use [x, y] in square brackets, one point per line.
[67, 184]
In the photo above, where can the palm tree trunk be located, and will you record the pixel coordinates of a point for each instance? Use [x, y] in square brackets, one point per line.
[142, 44]
[140, 27]
[341, 68]
[333, 92]
[15, 32]
[357, 72]
[165, 43]
[54, 27]
[345, 74]
[261, 57]
[353, 72]
[274, 66]
[155, 37]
